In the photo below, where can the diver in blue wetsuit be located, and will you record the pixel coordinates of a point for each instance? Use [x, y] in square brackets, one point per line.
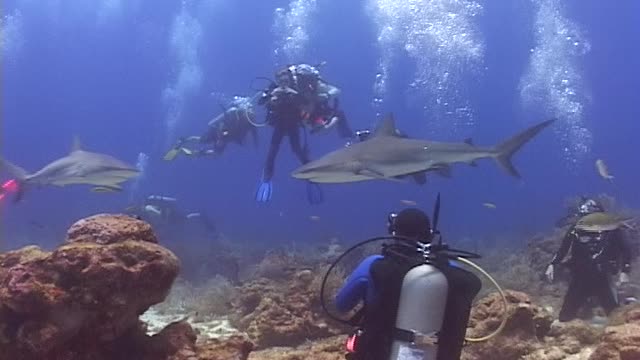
[377, 282]
[299, 97]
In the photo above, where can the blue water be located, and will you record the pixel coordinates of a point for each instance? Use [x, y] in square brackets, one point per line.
[132, 76]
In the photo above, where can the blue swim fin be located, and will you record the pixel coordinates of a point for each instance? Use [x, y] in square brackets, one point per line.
[264, 192]
[314, 193]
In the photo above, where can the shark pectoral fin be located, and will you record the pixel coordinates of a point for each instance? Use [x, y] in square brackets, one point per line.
[420, 178]
[444, 171]
[106, 188]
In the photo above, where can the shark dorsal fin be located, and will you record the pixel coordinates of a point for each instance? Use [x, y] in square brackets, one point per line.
[76, 145]
[468, 141]
[387, 127]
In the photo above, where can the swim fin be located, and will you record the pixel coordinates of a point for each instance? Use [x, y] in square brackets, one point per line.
[171, 154]
[265, 191]
[314, 193]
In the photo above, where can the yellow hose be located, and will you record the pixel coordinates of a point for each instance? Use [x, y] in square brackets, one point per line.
[502, 295]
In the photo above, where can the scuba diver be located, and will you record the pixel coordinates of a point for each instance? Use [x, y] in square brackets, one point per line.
[298, 97]
[574, 213]
[595, 257]
[232, 125]
[162, 212]
[412, 294]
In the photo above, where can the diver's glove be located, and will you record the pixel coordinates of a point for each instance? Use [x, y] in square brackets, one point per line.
[265, 191]
[549, 273]
[314, 193]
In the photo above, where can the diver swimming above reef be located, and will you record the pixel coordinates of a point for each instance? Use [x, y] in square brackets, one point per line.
[232, 125]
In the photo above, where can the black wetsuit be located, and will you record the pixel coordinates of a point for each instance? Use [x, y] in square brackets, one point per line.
[595, 257]
[285, 116]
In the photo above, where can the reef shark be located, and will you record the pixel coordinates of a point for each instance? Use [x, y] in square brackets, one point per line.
[387, 156]
[78, 167]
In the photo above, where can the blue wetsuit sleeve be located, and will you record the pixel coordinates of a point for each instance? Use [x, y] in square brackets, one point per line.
[356, 286]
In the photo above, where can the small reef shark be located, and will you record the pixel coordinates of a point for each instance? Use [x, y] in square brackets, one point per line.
[102, 171]
[387, 156]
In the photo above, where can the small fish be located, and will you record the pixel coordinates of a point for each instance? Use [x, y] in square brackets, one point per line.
[601, 221]
[314, 217]
[603, 170]
[489, 205]
[36, 224]
[409, 202]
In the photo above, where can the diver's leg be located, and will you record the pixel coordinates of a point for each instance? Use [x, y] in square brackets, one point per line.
[605, 292]
[314, 192]
[274, 147]
[575, 298]
[296, 146]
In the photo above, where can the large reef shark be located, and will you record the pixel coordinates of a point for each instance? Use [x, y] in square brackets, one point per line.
[388, 156]
[102, 171]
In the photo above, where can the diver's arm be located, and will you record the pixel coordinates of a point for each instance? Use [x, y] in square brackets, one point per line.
[355, 288]
[564, 247]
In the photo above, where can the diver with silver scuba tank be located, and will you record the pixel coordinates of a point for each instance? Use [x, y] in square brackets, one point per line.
[416, 296]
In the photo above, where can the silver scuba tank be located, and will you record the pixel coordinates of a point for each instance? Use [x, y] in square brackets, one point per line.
[421, 308]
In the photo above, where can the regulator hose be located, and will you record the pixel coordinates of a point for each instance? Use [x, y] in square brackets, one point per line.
[503, 323]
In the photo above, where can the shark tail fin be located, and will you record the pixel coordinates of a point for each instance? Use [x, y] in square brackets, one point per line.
[504, 151]
[20, 176]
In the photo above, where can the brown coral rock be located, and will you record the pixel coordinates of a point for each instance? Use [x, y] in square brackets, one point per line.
[177, 341]
[282, 313]
[621, 342]
[108, 229]
[234, 348]
[86, 292]
[332, 348]
[526, 325]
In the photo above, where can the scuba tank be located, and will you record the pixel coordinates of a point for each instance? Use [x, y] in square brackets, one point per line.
[421, 311]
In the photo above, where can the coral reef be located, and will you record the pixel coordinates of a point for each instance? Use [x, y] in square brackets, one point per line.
[86, 294]
[331, 348]
[621, 340]
[283, 313]
[526, 325]
[236, 347]
[104, 294]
